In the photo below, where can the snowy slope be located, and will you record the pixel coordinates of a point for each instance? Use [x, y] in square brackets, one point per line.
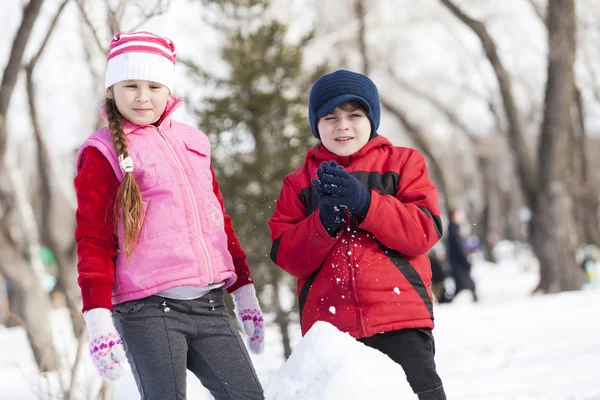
[509, 346]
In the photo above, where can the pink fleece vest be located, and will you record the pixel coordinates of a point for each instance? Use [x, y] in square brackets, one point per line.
[182, 240]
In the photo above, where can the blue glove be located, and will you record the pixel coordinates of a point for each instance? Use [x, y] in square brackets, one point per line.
[331, 211]
[336, 181]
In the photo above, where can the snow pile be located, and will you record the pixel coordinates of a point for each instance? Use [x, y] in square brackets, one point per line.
[328, 364]
[510, 345]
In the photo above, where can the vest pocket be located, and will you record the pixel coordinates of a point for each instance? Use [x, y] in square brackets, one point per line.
[198, 160]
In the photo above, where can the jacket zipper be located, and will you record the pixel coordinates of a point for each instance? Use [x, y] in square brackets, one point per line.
[194, 208]
[350, 256]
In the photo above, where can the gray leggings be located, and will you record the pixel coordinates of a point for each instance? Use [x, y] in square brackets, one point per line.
[164, 337]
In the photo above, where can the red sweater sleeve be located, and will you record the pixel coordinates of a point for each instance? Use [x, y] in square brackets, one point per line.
[408, 222]
[233, 244]
[96, 187]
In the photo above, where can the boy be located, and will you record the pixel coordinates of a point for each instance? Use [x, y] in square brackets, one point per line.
[354, 225]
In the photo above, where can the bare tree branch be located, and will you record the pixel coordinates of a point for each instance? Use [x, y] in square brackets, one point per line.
[425, 146]
[18, 191]
[35, 58]
[114, 16]
[44, 166]
[437, 104]
[89, 24]
[8, 206]
[11, 71]
[538, 11]
[81, 343]
[524, 160]
[414, 131]
[160, 8]
[553, 211]
[359, 8]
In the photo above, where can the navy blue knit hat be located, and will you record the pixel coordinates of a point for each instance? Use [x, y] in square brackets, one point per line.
[341, 86]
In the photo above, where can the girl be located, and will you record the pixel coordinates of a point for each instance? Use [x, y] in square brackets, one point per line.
[155, 247]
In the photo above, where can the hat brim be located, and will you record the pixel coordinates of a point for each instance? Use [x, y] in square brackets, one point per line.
[336, 101]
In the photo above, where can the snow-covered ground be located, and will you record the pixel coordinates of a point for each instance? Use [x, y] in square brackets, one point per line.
[509, 346]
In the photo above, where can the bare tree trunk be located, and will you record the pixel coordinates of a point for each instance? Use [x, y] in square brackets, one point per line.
[65, 258]
[552, 214]
[106, 391]
[587, 204]
[359, 8]
[547, 196]
[585, 211]
[30, 303]
[282, 318]
[13, 172]
[486, 170]
[590, 214]
[29, 300]
[576, 168]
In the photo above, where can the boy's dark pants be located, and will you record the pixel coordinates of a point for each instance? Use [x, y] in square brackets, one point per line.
[414, 350]
[164, 337]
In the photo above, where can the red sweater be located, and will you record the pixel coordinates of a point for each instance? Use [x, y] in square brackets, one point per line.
[97, 187]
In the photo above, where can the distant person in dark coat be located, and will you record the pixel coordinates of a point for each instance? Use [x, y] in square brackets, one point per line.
[457, 255]
[437, 258]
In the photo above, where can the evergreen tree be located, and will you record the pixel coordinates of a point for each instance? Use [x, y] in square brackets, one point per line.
[258, 127]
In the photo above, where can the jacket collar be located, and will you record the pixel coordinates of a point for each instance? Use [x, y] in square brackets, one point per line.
[319, 151]
[128, 127]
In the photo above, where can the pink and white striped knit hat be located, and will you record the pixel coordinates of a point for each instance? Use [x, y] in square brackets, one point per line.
[141, 55]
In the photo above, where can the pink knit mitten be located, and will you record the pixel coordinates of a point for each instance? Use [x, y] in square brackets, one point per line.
[250, 316]
[106, 347]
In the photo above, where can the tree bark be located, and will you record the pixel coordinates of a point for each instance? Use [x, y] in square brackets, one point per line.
[586, 202]
[282, 317]
[552, 214]
[546, 194]
[488, 190]
[28, 299]
[11, 71]
[65, 258]
[359, 8]
[30, 303]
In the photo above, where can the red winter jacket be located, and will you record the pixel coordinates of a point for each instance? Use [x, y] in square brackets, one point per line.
[374, 276]
[96, 186]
